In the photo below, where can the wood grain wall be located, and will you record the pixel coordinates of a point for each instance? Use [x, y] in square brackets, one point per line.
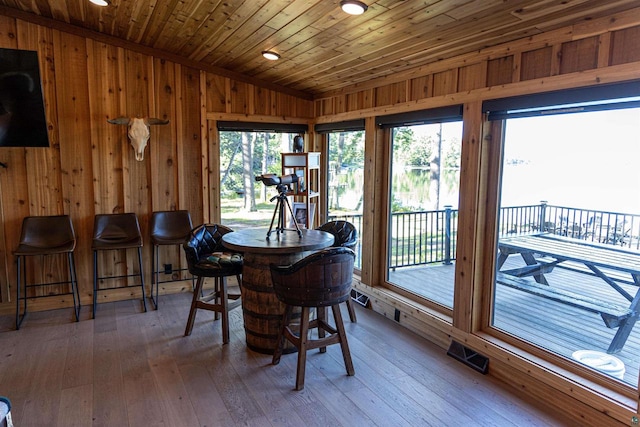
[90, 166]
[589, 45]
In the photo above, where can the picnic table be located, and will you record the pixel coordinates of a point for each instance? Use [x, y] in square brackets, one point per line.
[542, 252]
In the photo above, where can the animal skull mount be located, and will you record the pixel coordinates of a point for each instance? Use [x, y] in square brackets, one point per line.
[139, 132]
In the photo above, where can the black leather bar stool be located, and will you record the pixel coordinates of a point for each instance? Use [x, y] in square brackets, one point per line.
[345, 235]
[116, 232]
[320, 280]
[45, 236]
[207, 257]
[167, 228]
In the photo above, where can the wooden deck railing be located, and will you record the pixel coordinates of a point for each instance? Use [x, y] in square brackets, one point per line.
[426, 237]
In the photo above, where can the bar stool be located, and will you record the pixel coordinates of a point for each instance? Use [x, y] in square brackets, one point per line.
[167, 228]
[45, 235]
[320, 280]
[345, 235]
[114, 232]
[206, 257]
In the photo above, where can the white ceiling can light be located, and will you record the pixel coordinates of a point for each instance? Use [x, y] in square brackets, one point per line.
[353, 7]
[102, 3]
[270, 55]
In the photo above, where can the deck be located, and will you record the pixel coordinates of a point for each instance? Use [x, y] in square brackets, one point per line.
[554, 326]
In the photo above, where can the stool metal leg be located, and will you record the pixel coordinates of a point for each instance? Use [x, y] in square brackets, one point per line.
[95, 282]
[74, 286]
[155, 276]
[144, 299]
[21, 268]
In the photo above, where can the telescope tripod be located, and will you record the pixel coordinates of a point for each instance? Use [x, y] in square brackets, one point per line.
[281, 213]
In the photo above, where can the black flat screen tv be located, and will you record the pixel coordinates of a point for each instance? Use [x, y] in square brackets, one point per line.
[22, 116]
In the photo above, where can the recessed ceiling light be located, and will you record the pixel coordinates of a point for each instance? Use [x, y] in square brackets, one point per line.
[353, 7]
[270, 55]
[101, 2]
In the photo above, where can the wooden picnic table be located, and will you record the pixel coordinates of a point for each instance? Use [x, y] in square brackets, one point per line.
[602, 260]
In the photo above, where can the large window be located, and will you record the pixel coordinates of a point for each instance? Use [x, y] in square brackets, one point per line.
[568, 266]
[425, 176]
[345, 183]
[244, 155]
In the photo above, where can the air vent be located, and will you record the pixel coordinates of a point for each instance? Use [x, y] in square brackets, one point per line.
[360, 298]
[469, 357]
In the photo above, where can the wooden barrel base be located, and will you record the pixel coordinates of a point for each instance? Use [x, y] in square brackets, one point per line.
[261, 310]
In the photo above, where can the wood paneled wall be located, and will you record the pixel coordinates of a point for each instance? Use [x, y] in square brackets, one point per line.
[90, 166]
[588, 45]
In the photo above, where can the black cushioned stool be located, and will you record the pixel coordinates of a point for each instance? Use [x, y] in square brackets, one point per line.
[167, 228]
[345, 235]
[114, 232]
[206, 257]
[45, 235]
[320, 280]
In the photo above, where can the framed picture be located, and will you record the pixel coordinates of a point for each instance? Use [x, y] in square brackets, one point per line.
[300, 214]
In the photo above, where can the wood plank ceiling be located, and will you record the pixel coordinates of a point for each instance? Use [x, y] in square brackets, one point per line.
[322, 48]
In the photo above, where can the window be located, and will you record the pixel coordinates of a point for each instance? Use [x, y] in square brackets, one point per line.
[345, 175]
[248, 151]
[567, 272]
[425, 176]
[345, 183]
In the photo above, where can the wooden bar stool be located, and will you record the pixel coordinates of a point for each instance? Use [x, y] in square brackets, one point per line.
[345, 235]
[206, 257]
[167, 228]
[320, 280]
[116, 232]
[45, 236]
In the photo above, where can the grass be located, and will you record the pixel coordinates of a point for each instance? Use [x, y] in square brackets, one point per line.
[235, 217]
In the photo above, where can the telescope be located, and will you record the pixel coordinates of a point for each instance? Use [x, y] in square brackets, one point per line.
[269, 179]
[282, 183]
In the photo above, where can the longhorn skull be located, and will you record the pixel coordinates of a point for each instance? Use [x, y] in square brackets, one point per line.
[138, 131]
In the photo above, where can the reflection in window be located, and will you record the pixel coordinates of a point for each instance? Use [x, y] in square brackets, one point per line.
[568, 266]
[424, 200]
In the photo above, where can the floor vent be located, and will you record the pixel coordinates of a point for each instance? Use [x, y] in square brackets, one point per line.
[469, 357]
[360, 298]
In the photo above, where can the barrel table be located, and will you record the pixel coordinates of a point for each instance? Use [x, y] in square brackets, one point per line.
[261, 310]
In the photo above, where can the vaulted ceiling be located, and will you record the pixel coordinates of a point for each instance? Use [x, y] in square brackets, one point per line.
[322, 48]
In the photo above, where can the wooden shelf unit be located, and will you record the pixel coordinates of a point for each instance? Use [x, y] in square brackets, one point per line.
[307, 192]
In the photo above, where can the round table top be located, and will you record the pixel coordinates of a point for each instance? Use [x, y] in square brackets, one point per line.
[255, 240]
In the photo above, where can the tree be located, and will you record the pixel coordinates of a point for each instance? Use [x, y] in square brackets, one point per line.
[247, 171]
[434, 168]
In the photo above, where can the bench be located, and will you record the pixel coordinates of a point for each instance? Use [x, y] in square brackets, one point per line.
[581, 268]
[612, 314]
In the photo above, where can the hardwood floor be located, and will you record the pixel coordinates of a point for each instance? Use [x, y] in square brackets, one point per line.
[129, 368]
